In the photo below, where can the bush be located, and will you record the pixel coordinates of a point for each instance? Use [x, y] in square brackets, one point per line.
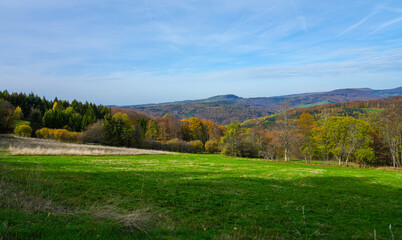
[94, 134]
[43, 133]
[197, 146]
[74, 137]
[212, 146]
[177, 145]
[59, 134]
[67, 136]
[23, 130]
[20, 122]
[151, 144]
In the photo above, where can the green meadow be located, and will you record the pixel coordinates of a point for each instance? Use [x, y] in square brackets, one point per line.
[194, 196]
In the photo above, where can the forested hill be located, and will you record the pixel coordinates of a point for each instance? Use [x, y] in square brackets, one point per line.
[355, 109]
[225, 109]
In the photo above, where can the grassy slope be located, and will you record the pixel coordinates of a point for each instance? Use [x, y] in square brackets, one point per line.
[313, 104]
[200, 196]
[375, 110]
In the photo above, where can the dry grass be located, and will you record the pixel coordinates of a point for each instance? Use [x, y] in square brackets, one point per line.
[33, 146]
[136, 220]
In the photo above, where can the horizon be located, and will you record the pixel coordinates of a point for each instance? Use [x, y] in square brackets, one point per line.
[156, 103]
[147, 52]
[195, 99]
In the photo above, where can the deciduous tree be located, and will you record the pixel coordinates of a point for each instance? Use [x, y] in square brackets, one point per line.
[391, 131]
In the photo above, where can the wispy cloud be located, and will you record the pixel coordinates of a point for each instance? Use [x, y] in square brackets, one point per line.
[387, 24]
[363, 20]
[300, 17]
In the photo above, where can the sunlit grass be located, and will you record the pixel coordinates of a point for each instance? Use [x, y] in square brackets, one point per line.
[190, 196]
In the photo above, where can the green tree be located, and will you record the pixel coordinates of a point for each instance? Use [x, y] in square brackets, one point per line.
[8, 116]
[54, 118]
[365, 156]
[35, 117]
[232, 139]
[306, 124]
[347, 137]
[236, 142]
[118, 130]
[72, 119]
[89, 118]
[153, 131]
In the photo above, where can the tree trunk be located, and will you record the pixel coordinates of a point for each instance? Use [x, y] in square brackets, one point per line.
[286, 154]
[393, 160]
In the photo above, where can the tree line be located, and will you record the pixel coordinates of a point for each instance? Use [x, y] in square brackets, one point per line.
[323, 133]
[368, 139]
[40, 112]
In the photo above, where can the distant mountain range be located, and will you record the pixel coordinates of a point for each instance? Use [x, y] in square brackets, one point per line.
[228, 108]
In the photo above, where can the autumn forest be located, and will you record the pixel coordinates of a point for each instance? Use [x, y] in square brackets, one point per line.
[364, 133]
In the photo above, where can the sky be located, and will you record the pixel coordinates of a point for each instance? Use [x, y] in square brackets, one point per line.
[150, 51]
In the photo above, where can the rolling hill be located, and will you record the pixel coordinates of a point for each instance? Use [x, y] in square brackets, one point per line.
[224, 109]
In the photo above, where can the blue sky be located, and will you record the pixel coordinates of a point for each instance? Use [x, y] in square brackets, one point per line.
[132, 52]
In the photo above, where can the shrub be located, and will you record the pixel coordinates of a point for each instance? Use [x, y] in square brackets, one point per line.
[23, 130]
[43, 133]
[75, 137]
[197, 146]
[59, 134]
[151, 144]
[20, 122]
[212, 146]
[94, 134]
[38, 134]
[177, 145]
[67, 136]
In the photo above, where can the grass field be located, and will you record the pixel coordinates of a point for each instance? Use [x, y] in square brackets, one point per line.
[190, 196]
[313, 104]
[375, 110]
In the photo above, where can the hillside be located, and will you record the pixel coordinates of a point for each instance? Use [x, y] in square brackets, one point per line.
[354, 109]
[190, 196]
[224, 109]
